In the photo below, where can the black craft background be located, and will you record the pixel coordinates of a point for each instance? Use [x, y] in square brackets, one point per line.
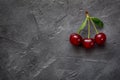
[34, 40]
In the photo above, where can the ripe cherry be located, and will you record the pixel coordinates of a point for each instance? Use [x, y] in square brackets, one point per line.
[75, 39]
[88, 43]
[100, 38]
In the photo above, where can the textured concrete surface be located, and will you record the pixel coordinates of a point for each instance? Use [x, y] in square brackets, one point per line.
[34, 40]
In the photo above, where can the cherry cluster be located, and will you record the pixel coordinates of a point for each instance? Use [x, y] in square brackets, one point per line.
[99, 39]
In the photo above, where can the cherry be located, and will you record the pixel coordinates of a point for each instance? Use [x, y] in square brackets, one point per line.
[88, 43]
[100, 38]
[75, 39]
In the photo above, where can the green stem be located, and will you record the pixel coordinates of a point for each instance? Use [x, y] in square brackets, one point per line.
[78, 31]
[88, 27]
[94, 26]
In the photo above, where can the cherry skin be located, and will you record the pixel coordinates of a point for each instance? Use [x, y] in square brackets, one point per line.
[100, 38]
[75, 39]
[88, 43]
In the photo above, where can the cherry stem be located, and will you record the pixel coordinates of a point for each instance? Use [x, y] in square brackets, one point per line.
[78, 31]
[86, 12]
[89, 19]
[88, 28]
[94, 26]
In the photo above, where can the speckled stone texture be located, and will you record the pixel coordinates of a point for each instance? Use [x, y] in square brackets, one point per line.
[34, 40]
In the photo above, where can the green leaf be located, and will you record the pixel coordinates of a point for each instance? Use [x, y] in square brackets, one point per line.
[82, 25]
[97, 22]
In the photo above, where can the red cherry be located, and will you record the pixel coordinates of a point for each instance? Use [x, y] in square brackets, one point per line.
[88, 43]
[100, 38]
[75, 39]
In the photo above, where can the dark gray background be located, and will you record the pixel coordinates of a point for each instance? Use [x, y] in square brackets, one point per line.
[34, 40]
